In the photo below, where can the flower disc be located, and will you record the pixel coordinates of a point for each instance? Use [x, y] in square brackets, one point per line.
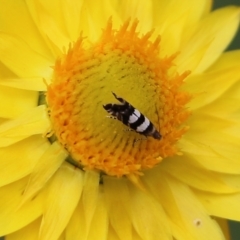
[83, 82]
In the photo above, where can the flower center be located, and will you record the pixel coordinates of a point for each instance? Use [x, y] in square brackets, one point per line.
[128, 65]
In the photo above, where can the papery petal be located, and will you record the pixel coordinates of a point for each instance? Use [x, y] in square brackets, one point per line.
[211, 86]
[117, 200]
[221, 205]
[112, 235]
[211, 157]
[12, 217]
[24, 61]
[211, 37]
[44, 169]
[132, 8]
[30, 232]
[201, 178]
[178, 27]
[35, 84]
[100, 221]
[16, 20]
[48, 17]
[18, 160]
[183, 208]
[71, 14]
[223, 223]
[67, 179]
[93, 21]
[22, 101]
[147, 216]
[79, 224]
[196, 10]
[227, 60]
[33, 122]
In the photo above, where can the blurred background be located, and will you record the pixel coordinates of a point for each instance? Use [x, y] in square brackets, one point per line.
[234, 227]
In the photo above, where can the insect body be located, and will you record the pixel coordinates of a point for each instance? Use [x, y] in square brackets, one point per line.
[131, 117]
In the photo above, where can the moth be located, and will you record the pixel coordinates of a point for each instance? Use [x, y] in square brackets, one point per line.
[131, 117]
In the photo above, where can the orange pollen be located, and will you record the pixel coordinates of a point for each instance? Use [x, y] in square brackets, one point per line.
[128, 64]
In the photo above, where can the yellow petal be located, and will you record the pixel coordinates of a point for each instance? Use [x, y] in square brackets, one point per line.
[79, 225]
[71, 14]
[218, 157]
[232, 180]
[197, 11]
[211, 37]
[48, 17]
[227, 60]
[227, 108]
[30, 150]
[35, 84]
[100, 221]
[179, 232]
[62, 196]
[61, 237]
[23, 60]
[182, 207]
[44, 169]
[112, 235]
[171, 31]
[221, 205]
[211, 86]
[6, 72]
[52, 8]
[132, 9]
[20, 101]
[33, 122]
[148, 216]
[3, 120]
[178, 27]
[117, 198]
[92, 21]
[30, 232]
[200, 178]
[222, 136]
[89, 197]
[222, 120]
[20, 24]
[11, 195]
[223, 223]
[164, 9]
[158, 186]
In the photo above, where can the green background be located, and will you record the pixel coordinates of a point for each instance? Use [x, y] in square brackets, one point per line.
[233, 226]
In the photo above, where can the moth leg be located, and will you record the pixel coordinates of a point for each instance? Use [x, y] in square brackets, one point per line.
[139, 139]
[128, 130]
[112, 117]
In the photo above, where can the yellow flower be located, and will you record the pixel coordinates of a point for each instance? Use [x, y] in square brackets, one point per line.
[67, 171]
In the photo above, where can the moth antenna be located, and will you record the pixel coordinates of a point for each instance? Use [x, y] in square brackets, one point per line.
[114, 94]
[158, 119]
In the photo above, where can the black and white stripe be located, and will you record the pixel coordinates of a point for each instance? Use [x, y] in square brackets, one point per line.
[131, 117]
